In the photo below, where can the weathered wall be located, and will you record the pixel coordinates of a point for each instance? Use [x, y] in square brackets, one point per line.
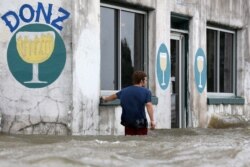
[34, 110]
[243, 62]
[197, 39]
[228, 13]
[162, 27]
[86, 66]
[70, 104]
[232, 13]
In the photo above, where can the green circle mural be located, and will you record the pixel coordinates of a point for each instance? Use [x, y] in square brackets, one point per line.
[36, 55]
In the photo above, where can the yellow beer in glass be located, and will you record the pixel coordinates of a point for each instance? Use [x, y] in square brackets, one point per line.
[35, 48]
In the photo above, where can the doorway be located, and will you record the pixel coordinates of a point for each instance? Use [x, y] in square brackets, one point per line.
[178, 80]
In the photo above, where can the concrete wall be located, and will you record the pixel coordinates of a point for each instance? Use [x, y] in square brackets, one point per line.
[86, 66]
[34, 110]
[228, 13]
[70, 105]
[243, 63]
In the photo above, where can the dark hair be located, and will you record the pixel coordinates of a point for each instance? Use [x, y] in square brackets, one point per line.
[138, 76]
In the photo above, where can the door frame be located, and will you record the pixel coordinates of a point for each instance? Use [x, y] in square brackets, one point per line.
[181, 36]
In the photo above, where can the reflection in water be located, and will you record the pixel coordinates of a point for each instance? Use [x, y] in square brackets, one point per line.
[176, 147]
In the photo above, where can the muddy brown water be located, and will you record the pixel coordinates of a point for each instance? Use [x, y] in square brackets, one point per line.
[173, 147]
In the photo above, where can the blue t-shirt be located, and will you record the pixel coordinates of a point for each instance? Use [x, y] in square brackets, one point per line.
[133, 100]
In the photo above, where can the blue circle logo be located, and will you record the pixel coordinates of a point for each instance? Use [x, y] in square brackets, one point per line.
[200, 69]
[36, 55]
[163, 66]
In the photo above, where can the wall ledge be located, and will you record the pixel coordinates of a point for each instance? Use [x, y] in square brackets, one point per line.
[117, 102]
[236, 100]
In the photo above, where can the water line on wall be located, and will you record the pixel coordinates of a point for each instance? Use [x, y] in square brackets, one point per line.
[0, 122]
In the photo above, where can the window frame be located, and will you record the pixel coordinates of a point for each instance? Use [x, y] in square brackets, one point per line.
[234, 33]
[119, 63]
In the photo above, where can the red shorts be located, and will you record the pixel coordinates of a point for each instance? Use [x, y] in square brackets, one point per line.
[136, 131]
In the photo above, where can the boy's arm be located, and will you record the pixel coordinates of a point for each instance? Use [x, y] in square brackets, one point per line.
[150, 110]
[109, 98]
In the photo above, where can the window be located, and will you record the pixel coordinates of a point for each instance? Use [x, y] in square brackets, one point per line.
[220, 60]
[123, 46]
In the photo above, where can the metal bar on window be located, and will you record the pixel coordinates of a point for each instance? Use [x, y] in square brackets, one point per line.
[180, 80]
[218, 61]
[218, 94]
[119, 51]
[179, 31]
[234, 65]
[146, 57]
[220, 29]
[184, 82]
[123, 8]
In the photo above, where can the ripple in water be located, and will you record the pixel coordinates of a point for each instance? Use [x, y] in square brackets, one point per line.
[175, 147]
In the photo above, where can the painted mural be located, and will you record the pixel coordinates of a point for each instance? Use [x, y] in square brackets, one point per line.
[200, 70]
[163, 68]
[36, 53]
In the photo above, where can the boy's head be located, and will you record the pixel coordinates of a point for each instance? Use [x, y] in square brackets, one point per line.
[138, 77]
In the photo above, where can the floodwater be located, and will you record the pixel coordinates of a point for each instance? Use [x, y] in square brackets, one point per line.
[175, 147]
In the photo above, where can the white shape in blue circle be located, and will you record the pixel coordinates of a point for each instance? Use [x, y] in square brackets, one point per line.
[200, 70]
[163, 66]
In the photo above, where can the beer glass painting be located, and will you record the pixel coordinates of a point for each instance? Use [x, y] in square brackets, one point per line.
[163, 66]
[35, 48]
[200, 64]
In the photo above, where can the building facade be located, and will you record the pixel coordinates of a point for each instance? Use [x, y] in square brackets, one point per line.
[59, 57]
